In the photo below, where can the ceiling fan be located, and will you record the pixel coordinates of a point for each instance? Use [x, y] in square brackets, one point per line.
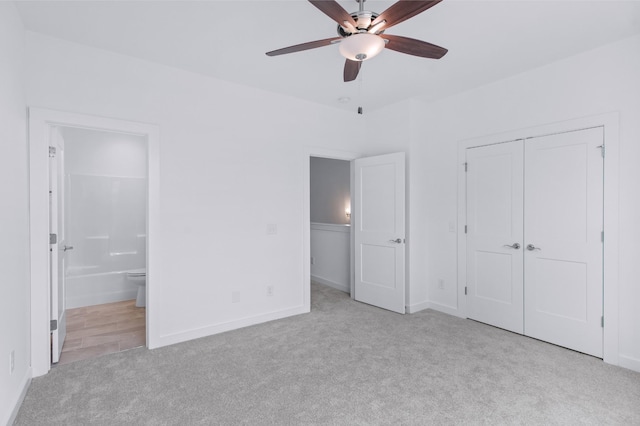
[360, 33]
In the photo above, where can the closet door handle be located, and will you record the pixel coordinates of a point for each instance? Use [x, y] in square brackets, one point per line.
[531, 247]
[515, 246]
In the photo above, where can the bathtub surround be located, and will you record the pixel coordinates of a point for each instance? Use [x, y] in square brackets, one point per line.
[106, 196]
[384, 368]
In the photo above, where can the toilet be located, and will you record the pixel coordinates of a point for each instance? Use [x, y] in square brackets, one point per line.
[139, 277]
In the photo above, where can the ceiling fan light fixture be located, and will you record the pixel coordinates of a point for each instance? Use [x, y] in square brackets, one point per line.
[361, 46]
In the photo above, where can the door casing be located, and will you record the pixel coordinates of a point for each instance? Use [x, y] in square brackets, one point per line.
[40, 121]
[306, 220]
[610, 123]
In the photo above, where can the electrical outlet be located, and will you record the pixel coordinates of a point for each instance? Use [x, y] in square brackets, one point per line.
[441, 284]
[269, 290]
[313, 260]
[272, 229]
[12, 361]
[235, 297]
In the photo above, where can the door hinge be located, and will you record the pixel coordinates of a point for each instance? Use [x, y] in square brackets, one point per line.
[465, 290]
[465, 229]
[52, 151]
[601, 150]
[466, 167]
[53, 325]
[602, 321]
[53, 238]
[602, 236]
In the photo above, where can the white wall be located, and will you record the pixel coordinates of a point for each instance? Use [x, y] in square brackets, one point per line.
[330, 192]
[232, 160]
[14, 214]
[330, 255]
[596, 82]
[105, 214]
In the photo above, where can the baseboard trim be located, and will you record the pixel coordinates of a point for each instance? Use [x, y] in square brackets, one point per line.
[329, 283]
[450, 310]
[417, 307]
[629, 362]
[26, 382]
[196, 333]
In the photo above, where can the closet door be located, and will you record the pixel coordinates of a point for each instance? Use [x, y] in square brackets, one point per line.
[562, 239]
[494, 235]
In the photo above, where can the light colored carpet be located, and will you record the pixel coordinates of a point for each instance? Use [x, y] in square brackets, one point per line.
[345, 363]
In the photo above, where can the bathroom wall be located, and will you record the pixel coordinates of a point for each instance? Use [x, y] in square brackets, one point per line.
[105, 214]
[330, 181]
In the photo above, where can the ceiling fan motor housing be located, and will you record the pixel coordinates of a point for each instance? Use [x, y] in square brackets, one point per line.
[363, 22]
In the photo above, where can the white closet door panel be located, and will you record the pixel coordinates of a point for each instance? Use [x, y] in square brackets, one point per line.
[494, 235]
[563, 224]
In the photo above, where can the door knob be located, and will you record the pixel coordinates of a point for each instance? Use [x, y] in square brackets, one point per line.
[531, 247]
[515, 246]
[65, 248]
[397, 241]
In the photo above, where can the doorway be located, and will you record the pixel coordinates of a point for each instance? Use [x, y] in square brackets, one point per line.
[378, 232]
[42, 123]
[330, 217]
[100, 252]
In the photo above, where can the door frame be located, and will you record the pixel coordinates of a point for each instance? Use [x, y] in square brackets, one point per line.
[610, 123]
[40, 122]
[306, 217]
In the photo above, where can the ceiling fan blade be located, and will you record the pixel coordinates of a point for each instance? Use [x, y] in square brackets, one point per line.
[334, 11]
[351, 69]
[303, 46]
[414, 47]
[401, 11]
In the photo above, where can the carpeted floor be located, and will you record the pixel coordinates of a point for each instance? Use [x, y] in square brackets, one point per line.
[345, 363]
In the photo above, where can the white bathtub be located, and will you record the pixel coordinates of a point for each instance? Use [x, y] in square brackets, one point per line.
[86, 289]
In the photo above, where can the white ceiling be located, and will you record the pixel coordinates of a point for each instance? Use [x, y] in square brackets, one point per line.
[487, 41]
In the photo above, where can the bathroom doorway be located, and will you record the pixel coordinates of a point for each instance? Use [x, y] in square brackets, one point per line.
[47, 318]
[101, 210]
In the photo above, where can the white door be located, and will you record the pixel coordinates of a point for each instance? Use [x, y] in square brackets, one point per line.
[563, 225]
[379, 213]
[494, 235]
[57, 248]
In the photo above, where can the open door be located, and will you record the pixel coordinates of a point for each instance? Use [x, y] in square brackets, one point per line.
[380, 231]
[57, 248]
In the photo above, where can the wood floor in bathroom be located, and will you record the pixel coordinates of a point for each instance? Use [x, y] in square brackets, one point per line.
[98, 330]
